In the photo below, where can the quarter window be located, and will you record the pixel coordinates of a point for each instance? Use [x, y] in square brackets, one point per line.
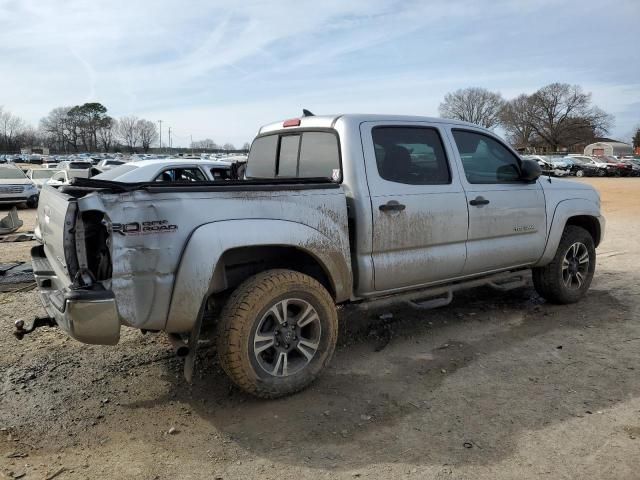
[486, 160]
[411, 155]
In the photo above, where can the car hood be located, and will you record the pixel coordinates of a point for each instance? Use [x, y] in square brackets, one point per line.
[569, 189]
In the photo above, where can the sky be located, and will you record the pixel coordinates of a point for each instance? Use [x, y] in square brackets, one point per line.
[222, 68]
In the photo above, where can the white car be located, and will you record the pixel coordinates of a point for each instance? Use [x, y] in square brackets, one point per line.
[40, 176]
[174, 170]
[16, 188]
[108, 164]
[60, 177]
[77, 168]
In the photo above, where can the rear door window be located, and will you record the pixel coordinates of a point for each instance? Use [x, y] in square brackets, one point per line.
[411, 155]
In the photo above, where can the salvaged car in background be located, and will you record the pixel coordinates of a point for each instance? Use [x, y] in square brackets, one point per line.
[16, 187]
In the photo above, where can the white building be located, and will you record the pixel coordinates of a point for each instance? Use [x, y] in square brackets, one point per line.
[599, 149]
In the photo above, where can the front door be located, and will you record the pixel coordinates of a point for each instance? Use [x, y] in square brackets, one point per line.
[419, 207]
[507, 216]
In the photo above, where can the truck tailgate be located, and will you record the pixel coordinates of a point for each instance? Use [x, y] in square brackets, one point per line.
[54, 229]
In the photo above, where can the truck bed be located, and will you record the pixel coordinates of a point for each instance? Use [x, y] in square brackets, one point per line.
[147, 233]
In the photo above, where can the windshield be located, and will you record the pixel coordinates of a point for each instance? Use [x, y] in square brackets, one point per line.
[11, 174]
[115, 172]
[42, 173]
[80, 165]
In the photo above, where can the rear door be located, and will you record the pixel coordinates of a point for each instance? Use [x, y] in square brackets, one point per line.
[507, 216]
[418, 204]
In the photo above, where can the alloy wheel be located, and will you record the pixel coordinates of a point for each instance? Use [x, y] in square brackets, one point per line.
[575, 266]
[287, 337]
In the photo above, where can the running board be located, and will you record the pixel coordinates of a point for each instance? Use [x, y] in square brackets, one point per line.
[424, 298]
[433, 303]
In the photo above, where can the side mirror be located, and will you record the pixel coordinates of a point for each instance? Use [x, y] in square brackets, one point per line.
[530, 170]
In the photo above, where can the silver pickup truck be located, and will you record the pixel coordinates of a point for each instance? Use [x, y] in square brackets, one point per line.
[332, 210]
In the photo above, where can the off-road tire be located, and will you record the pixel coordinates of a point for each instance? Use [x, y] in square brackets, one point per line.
[240, 318]
[548, 281]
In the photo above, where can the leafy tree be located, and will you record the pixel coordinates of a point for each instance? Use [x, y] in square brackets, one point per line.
[636, 139]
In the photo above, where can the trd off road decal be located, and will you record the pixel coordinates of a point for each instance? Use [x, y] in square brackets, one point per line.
[144, 228]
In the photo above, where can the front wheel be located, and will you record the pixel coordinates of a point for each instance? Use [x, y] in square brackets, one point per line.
[580, 173]
[276, 333]
[568, 277]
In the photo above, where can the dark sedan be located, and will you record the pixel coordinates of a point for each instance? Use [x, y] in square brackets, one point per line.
[586, 167]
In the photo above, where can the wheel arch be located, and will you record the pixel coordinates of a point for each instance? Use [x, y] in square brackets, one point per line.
[579, 212]
[589, 223]
[220, 255]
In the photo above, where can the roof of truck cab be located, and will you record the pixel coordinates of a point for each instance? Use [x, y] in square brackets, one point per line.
[328, 121]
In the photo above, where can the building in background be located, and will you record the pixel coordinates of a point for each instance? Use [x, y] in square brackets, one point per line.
[610, 147]
[34, 151]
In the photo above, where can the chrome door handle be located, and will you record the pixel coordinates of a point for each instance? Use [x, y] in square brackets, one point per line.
[392, 206]
[479, 201]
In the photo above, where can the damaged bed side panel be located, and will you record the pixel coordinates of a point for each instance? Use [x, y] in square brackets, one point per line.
[165, 245]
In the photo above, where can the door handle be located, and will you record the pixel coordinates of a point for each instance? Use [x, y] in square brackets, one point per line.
[479, 201]
[392, 206]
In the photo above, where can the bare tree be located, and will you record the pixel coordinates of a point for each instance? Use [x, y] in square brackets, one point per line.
[514, 118]
[55, 127]
[148, 133]
[206, 144]
[128, 132]
[562, 115]
[636, 138]
[246, 146]
[108, 126]
[228, 146]
[475, 105]
[10, 128]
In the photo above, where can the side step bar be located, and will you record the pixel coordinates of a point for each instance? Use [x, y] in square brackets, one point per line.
[424, 299]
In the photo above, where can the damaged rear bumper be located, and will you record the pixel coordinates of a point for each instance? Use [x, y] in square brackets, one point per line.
[89, 316]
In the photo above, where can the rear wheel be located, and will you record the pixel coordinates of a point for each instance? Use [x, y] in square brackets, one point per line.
[568, 277]
[580, 173]
[277, 332]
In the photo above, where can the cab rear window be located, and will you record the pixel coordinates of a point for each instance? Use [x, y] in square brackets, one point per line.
[300, 155]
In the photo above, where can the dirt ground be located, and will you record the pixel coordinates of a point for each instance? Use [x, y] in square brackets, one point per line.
[494, 386]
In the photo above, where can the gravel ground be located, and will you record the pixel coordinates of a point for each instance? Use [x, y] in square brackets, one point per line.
[497, 385]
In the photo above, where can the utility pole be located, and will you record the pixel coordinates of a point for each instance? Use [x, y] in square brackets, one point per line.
[170, 140]
[191, 144]
[160, 122]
